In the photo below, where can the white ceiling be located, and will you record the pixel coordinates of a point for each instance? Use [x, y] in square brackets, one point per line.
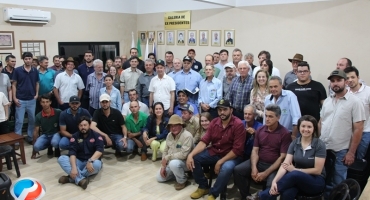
[147, 6]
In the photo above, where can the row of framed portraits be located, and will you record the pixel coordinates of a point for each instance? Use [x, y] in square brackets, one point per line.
[190, 37]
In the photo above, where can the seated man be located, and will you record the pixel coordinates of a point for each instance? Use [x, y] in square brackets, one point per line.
[269, 149]
[109, 123]
[84, 155]
[183, 98]
[227, 137]
[46, 131]
[251, 126]
[191, 122]
[133, 97]
[68, 120]
[134, 123]
[179, 144]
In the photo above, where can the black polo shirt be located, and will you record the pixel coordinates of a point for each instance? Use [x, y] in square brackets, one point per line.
[197, 66]
[26, 82]
[111, 124]
[84, 148]
[4, 71]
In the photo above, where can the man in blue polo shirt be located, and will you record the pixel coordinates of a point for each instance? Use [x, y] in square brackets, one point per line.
[25, 92]
[84, 70]
[46, 77]
[68, 120]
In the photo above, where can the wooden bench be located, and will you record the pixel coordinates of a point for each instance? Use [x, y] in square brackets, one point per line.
[11, 139]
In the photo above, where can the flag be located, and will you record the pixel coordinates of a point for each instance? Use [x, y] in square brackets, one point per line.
[139, 48]
[154, 49]
[146, 49]
[133, 41]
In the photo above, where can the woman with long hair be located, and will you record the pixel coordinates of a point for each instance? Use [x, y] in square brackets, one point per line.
[267, 65]
[114, 93]
[113, 71]
[259, 92]
[303, 166]
[108, 64]
[155, 131]
[204, 120]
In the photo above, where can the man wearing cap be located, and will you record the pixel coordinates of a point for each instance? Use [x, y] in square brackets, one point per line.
[25, 88]
[310, 94]
[142, 85]
[188, 79]
[162, 89]
[177, 65]
[129, 78]
[134, 123]
[109, 123]
[68, 84]
[291, 76]
[182, 99]
[179, 143]
[230, 70]
[133, 97]
[288, 103]
[210, 92]
[226, 135]
[196, 66]
[209, 61]
[35, 62]
[68, 120]
[341, 124]
[94, 83]
[191, 122]
[224, 59]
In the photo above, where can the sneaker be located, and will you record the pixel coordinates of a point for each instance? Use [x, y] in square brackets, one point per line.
[64, 179]
[199, 193]
[83, 183]
[253, 197]
[144, 157]
[180, 186]
[50, 151]
[57, 152]
[211, 197]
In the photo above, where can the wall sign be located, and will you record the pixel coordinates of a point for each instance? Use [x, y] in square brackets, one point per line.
[177, 20]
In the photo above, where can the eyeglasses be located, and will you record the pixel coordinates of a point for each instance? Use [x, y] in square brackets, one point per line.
[303, 72]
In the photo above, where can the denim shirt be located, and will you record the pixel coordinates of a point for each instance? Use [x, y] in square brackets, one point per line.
[151, 128]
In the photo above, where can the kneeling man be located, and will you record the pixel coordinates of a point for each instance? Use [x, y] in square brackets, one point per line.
[86, 148]
[179, 143]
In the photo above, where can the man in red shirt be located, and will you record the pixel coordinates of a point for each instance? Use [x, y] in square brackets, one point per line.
[226, 135]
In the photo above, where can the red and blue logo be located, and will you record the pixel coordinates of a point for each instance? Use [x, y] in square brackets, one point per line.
[28, 189]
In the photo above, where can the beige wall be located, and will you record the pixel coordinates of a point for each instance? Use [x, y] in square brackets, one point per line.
[323, 32]
[73, 26]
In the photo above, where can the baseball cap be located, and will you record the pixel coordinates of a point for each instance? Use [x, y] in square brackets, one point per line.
[187, 107]
[224, 103]
[74, 99]
[229, 65]
[160, 62]
[339, 73]
[104, 97]
[182, 91]
[187, 58]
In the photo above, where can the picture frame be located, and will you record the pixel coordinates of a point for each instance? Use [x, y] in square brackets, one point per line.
[170, 37]
[216, 38]
[203, 38]
[151, 37]
[3, 56]
[142, 36]
[229, 40]
[36, 47]
[181, 38]
[161, 37]
[192, 37]
[7, 40]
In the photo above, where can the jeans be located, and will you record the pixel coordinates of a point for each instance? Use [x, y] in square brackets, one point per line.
[364, 144]
[204, 158]
[44, 141]
[82, 172]
[242, 176]
[293, 182]
[175, 169]
[64, 143]
[117, 142]
[145, 101]
[340, 171]
[28, 106]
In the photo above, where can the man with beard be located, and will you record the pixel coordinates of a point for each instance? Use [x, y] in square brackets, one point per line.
[84, 70]
[341, 125]
[9, 68]
[169, 67]
[127, 63]
[227, 138]
[84, 155]
[118, 65]
[57, 64]
[94, 83]
[68, 120]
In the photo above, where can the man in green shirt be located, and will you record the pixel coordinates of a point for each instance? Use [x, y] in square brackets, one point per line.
[46, 131]
[135, 122]
[209, 61]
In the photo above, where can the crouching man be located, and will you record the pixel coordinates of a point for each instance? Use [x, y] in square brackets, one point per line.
[86, 148]
[179, 143]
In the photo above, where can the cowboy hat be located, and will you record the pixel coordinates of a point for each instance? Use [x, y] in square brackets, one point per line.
[175, 119]
[69, 59]
[297, 57]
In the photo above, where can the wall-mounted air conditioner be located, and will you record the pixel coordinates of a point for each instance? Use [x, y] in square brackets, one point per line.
[26, 15]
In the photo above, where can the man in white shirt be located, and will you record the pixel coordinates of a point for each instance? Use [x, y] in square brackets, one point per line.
[263, 55]
[129, 78]
[133, 97]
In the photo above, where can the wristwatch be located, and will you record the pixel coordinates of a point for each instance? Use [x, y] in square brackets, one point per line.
[90, 160]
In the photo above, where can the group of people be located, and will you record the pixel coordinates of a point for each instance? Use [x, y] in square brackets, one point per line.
[233, 117]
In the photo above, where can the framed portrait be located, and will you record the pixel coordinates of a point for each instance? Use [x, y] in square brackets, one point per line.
[7, 40]
[181, 38]
[229, 38]
[192, 37]
[203, 38]
[36, 47]
[151, 36]
[216, 38]
[142, 36]
[170, 37]
[160, 37]
[3, 56]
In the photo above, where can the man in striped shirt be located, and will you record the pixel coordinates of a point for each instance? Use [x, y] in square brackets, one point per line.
[94, 82]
